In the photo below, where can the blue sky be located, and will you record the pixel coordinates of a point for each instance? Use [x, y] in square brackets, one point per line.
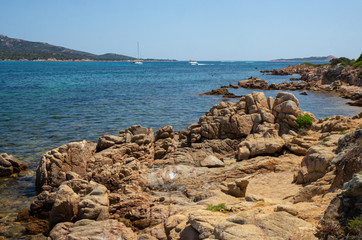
[184, 30]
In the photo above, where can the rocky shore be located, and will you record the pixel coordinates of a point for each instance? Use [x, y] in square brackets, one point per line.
[245, 170]
[344, 81]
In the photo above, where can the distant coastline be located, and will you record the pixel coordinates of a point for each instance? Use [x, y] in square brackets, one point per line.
[306, 59]
[83, 60]
[12, 49]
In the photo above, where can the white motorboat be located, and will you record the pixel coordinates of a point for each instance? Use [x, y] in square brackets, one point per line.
[193, 63]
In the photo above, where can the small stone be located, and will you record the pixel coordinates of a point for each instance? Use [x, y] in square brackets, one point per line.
[212, 161]
[23, 214]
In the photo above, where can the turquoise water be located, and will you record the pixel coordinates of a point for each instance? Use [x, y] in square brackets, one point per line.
[46, 104]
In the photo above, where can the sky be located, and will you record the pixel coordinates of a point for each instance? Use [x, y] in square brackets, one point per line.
[191, 29]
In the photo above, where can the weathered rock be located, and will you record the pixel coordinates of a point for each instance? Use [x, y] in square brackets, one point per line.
[346, 205]
[349, 158]
[212, 161]
[166, 175]
[268, 142]
[254, 83]
[205, 221]
[220, 91]
[9, 165]
[95, 204]
[285, 208]
[285, 96]
[353, 188]
[286, 111]
[237, 188]
[156, 232]
[337, 123]
[65, 208]
[314, 165]
[43, 204]
[145, 237]
[55, 163]
[277, 225]
[90, 229]
[237, 120]
[35, 226]
[23, 214]
[164, 142]
[173, 221]
[107, 141]
[300, 144]
[165, 132]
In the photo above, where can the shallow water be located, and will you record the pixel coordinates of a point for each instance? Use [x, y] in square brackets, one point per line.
[47, 104]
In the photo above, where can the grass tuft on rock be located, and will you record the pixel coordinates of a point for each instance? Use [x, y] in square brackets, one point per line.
[354, 225]
[304, 121]
[219, 208]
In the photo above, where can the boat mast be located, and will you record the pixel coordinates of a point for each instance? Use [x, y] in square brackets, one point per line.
[138, 50]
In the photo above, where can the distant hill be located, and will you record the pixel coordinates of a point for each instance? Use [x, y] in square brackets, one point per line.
[17, 49]
[307, 59]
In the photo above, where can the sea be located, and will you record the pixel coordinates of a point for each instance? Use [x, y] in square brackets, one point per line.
[44, 105]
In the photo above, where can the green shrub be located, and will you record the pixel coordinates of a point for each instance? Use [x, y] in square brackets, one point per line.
[342, 61]
[357, 64]
[326, 119]
[304, 121]
[315, 64]
[354, 225]
[360, 58]
[220, 208]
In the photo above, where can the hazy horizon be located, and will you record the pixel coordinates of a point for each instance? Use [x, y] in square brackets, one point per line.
[197, 30]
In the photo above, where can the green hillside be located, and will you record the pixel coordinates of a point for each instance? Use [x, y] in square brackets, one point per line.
[16, 49]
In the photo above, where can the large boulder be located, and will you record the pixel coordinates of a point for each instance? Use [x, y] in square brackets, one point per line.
[235, 120]
[253, 83]
[277, 225]
[285, 109]
[90, 229]
[164, 142]
[346, 205]
[268, 142]
[349, 158]
[65, 207]
[95, 205]
[315, 164]
[10, 164]
[240, 119]
[54, 164]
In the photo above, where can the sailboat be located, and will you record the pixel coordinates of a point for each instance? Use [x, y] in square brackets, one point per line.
[138, 61]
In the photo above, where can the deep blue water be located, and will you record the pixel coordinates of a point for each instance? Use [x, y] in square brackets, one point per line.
[46, 104]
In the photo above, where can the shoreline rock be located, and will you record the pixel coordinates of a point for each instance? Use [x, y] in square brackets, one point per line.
[344, 81]
[238, 161]
[10, 165]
